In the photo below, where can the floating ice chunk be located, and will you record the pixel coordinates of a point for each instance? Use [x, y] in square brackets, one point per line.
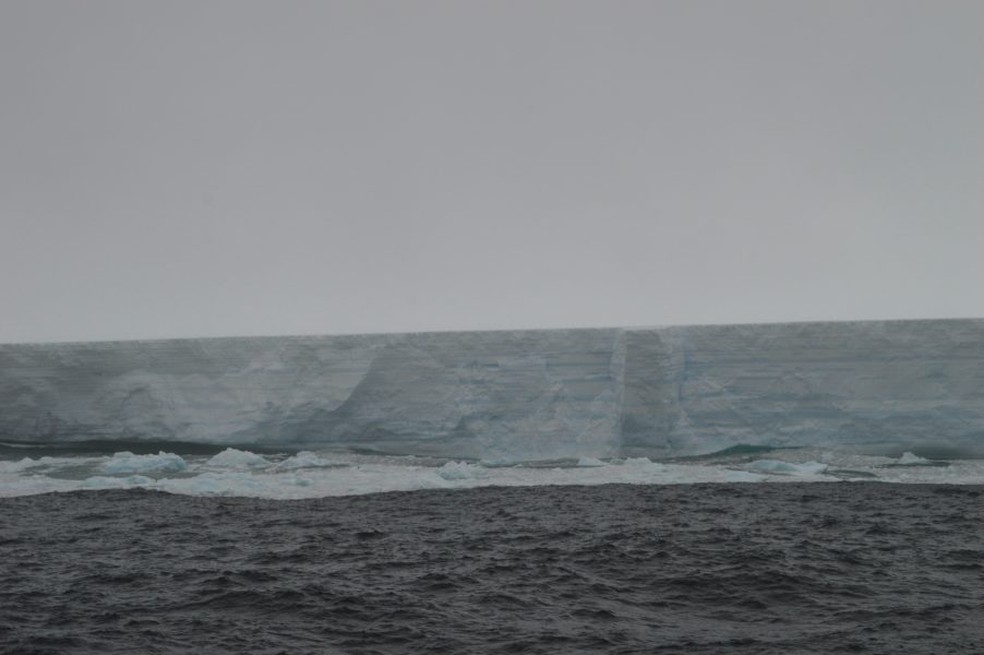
[127, 462]
[304, 460]
[787, 468]
[911, 459]
[498, 462]
[590, 461]
[643, 463]
[232, 483]
[234, 458]
[458, 471]
[19, 465]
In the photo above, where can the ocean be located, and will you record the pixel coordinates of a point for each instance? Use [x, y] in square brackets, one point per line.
[748, 551]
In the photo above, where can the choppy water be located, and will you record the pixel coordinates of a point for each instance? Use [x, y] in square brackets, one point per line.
[704, 568]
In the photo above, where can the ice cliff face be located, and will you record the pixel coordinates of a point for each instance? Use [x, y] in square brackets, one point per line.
[880, 386]
[884, 386]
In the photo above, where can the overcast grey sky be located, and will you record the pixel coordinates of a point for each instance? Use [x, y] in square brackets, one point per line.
[230, 167]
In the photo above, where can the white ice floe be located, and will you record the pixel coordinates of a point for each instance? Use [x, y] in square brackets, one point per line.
[127, 462]
[234, 458]
[108, 482]
[459, 471]
[304, 460]
[787, 468]
[229, 483]
[911, 459]
[309, 474]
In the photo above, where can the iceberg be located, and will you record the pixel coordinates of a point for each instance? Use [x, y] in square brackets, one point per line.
[235, 458]
[878, 387]
[127, 462]
[911, 459]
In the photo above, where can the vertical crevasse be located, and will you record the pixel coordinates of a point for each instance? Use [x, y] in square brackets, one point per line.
[617, 372]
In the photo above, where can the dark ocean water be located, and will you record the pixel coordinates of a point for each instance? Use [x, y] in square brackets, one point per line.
[751, 568]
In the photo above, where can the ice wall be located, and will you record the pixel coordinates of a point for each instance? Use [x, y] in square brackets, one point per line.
[879, 386]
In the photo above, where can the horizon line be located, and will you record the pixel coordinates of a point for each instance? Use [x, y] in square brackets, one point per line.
[393, 333]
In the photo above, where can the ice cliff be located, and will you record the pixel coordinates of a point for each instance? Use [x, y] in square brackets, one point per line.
[877, 386]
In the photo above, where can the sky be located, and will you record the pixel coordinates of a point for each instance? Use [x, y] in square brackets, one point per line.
[189, 168]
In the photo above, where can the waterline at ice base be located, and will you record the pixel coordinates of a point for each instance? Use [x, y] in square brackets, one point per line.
[292, 417]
